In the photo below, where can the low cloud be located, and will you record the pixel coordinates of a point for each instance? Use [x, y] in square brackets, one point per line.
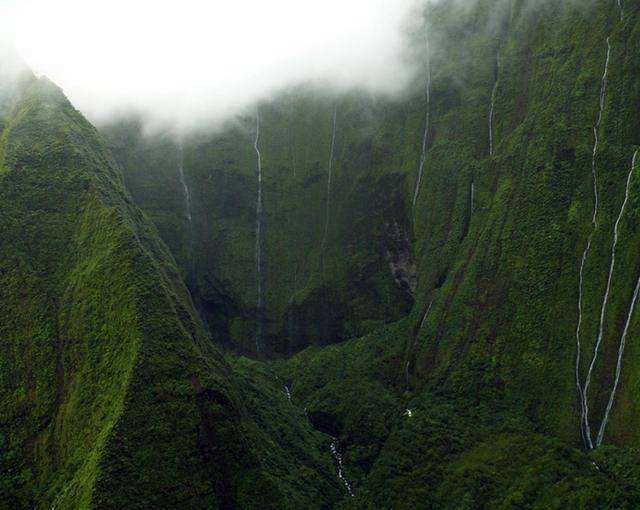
[197, 62]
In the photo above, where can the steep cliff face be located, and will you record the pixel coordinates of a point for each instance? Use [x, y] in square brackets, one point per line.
[326, 247]
[483, 181]
[489, 354]
[527, 117]
[509, 301]
[470, 250]
[112, 394]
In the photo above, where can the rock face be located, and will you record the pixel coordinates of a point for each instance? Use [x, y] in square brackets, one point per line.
[463, 308]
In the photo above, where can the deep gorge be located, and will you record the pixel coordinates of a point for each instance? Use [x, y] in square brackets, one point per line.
[336, 299]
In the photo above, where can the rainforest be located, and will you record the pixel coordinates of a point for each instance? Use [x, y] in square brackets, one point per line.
[335, 297]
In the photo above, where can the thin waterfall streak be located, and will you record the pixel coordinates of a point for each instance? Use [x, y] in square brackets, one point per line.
[587, 440]
[329, 177]
[612, 265]
[426, 314]
[594, 221]
[423, 155]
[338, 457]
[621, 10]
[493, 101]
[422, 321]
[258, 255]
[472, 196]
[406, 373]
[185, 188]
[623, 338]
[187, 211]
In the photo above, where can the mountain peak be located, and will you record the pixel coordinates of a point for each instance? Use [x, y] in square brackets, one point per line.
[14, 75]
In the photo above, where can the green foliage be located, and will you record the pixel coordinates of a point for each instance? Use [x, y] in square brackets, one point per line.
[312, 295]
[111, 393]
[459, 393]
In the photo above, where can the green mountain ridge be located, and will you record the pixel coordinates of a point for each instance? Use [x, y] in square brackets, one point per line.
[420, 355]
[112, 393]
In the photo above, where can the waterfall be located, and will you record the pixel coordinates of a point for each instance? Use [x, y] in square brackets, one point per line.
[578, 343]
[423, 155]
[258, 234]
[186, 193]
[594, 221]
[185, 188]
[408, 362]
[288, 392]
[609, 278]
[406, 373]
[426, 314]
[472, 196]
[329, 176]
[621, 10]
[623, 338]
[338, 458]
[493, 101]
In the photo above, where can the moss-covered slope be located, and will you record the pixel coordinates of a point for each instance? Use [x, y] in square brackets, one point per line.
[317, 287]
[111, 393]
[459, 389]
[486, 359]
[497, 231]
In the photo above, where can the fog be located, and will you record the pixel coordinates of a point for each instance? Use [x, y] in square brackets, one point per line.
[195, 62]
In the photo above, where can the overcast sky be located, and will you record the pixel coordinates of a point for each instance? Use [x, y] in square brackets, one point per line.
[197, 61]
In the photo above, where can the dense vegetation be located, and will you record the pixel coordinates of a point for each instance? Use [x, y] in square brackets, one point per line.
[434, 346]
[111, 393]
[314, 292]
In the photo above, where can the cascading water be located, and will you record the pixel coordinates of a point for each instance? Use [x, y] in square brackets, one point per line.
[406, 373]
[338, 458]
[258, 250]
[335, 453]
[621, 10]
[623, 338]
[186, 193]
[594, 221]
[426, 314]
[423, 155]
[407, 364]
[329, 177]
[185, 188]
[473, 192]
[493, 102]
[609, 278]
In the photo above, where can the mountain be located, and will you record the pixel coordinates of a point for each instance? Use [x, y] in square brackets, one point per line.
[112, 394]
[337, 300]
